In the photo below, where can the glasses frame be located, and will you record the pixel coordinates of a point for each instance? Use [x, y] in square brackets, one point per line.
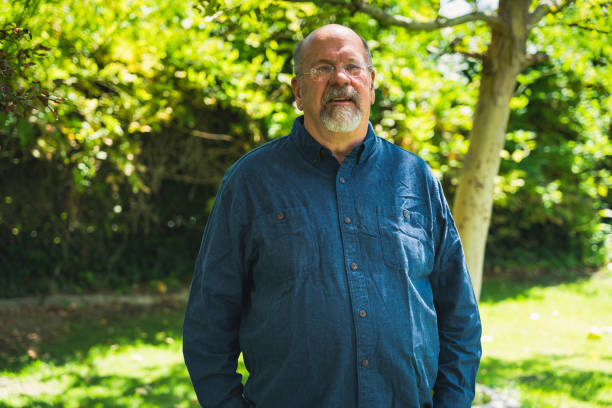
[323, 72]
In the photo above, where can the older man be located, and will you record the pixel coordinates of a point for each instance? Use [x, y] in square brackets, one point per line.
[331, 261]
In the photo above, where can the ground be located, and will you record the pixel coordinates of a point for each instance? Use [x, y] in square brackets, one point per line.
[29, 323]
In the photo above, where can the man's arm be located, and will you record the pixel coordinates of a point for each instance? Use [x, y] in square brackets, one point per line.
[212, 319]
[458, 318]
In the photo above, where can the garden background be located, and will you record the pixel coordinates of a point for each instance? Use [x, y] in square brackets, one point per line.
[118, 120]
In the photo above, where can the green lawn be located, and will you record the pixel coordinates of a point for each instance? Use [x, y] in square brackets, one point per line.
[133, 360]
[537, 349]
[549, 346]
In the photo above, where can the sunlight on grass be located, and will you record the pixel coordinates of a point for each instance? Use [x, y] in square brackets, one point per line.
[546, 346]
[134, 362]
[549, 346]
[121, 376]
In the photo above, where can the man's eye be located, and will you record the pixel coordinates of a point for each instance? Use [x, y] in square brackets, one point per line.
[352, 68]
[324, 69]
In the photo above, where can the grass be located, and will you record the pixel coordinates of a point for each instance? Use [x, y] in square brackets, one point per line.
[133, 360]
[536, 349]
[549, 346]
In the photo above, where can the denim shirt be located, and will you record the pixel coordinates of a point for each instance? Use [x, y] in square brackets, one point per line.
[343, 285]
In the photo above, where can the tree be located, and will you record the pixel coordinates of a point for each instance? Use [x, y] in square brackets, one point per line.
[161, 99]
[128, 167]
[20, 94]
[505, 58]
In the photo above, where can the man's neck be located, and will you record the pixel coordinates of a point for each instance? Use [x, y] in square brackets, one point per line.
[341, 144]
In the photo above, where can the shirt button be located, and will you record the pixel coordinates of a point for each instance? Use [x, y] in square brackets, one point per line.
[354, 266]
[342, 180]
[280, 215]
[364, 363]
[347, 220]
[362, 313]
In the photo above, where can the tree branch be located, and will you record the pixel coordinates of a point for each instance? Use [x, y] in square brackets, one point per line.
[474, 55]
[533, 59]
[401, 21]
[480, 56]
[549, 7]
[589, 28]
[212, 136]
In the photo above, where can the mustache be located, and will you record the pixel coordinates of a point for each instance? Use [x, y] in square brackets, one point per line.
[345, 93]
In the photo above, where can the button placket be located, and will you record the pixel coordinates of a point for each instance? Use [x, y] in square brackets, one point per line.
[357, 276]
[347, 220]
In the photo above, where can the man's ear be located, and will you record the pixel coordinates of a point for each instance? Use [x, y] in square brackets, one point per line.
[372, 93]
[297, 92]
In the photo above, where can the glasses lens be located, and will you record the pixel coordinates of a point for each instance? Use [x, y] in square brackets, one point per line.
[323, 73]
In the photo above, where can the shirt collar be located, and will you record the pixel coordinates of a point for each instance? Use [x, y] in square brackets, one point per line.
[313, 151]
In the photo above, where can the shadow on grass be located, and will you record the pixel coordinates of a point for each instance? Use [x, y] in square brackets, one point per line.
[165, 385]
[550, 374]
[499, 289]
[496, 290]
[90, 328]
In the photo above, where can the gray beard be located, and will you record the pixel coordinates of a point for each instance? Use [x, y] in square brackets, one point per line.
[341, 119]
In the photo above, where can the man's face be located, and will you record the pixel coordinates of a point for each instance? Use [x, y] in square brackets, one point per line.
[342, 102]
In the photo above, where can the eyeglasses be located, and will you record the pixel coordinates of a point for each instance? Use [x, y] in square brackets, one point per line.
[324, 72]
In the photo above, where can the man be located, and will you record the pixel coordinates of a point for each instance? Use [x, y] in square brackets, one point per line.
[331, 261]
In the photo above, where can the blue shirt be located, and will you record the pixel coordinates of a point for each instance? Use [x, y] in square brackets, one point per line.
[343, 285]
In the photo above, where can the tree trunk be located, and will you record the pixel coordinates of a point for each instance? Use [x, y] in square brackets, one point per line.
[474, 198]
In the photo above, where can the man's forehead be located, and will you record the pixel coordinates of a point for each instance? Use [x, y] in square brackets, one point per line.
[334, 35]
[332, 31]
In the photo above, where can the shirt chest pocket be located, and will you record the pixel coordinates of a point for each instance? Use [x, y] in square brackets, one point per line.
[285, 247]
[406, 245]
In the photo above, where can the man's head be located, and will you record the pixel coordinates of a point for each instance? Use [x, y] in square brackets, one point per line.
[298, 50]
[334, 81]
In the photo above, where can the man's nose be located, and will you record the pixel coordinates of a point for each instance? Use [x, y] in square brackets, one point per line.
[339, 76]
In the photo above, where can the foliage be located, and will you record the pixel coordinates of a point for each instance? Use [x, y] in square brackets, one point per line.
[123, 170]
[558, 153]
[18, 93]
[162, 97]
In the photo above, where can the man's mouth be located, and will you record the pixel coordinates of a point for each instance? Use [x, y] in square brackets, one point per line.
[341, 97]
[341, 100]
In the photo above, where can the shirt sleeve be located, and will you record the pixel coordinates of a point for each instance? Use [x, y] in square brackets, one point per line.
[458, 317]
[212, 318]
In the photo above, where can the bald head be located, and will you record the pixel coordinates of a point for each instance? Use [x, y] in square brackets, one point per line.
[321, 33]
